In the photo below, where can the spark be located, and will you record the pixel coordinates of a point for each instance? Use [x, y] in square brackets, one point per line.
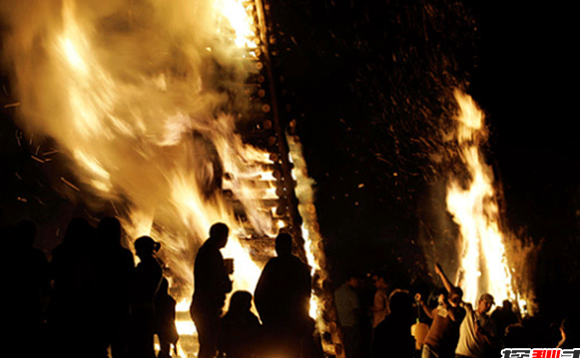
[69, 184]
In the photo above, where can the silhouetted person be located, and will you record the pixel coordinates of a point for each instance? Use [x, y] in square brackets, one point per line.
[26, 289]
[73, 312]
[212, 283]
[515, 336]
[348, 307]
[115, 273]
[380, 308]
[282, 299]
[165, 320]
[240, 328]
[147, 279]
[392, 336]
[504, 316]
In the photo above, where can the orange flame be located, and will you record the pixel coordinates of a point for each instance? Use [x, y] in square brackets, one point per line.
[484, 264]
[125, 90]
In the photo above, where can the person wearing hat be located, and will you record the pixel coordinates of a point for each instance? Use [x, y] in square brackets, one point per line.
[477, 331]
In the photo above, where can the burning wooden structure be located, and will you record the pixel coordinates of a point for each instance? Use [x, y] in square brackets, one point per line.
[168, 114]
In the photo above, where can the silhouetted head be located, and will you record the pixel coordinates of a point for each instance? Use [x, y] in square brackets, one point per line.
[380, 281]
[218, 233]
[109, 231]
[241, 301]
[515, 335]
[401, 303]
[284, 244]
[146, 246]
[77, 232]
[507, 305]
[25, 233]
[353, 280]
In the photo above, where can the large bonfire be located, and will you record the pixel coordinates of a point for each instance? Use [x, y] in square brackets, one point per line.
[142, 99]
[473, 203]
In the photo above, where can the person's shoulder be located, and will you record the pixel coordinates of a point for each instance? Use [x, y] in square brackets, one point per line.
[299, 263]
[125, 253]
[386, 325]
[208, 250]
[60, 253]
[343, 290]
[204, 247]
[468, 307]
[272, 262]
[381, 294]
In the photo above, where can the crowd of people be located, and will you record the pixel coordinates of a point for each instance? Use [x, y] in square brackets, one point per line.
[91, 300]
[281, 297]
[397, 323]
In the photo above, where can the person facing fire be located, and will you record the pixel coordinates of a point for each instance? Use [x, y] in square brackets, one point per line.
[148, 276]
[282, 297]
[27, 287]
[74, 271]
[477, 331]
[348, 308]
[240, 328]
[392, 336]
[212, 283]
[165, 327]
[115, 273]
[504, 316]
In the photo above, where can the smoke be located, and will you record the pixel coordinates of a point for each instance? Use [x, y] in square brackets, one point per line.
[141, 97]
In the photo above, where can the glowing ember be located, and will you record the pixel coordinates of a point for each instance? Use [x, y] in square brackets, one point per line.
[484, 265]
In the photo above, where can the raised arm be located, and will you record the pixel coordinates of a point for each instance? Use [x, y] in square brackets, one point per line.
[446, 282]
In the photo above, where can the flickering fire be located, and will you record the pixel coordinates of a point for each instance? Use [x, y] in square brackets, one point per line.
[310, 232]
[128, 92]
[239, 20]
[484, 266]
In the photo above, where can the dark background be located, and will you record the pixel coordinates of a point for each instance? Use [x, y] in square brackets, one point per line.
[372, 82]
[369, 83]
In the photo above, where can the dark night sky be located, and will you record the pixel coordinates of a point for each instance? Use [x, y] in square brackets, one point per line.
[367, 81]
[369, 76]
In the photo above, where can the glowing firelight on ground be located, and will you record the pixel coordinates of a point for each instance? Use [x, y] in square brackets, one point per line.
[484, 266]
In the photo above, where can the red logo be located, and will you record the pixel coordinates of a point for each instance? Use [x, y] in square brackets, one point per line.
[540, 353]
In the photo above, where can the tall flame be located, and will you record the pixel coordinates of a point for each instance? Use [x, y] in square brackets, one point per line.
[475, 209]
[143, 98]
